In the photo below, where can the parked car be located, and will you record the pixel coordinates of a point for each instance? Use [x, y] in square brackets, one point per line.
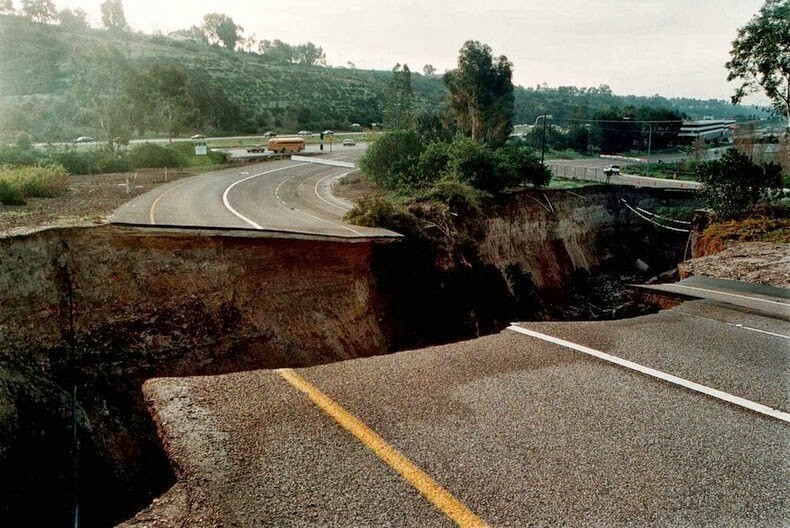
[269, 134]
[305, 133]
[84, 139]
[349, 142]
[329, 132]
[612, 169]
[198, 136]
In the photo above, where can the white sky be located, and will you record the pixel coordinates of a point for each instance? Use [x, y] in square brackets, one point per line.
[673, 48]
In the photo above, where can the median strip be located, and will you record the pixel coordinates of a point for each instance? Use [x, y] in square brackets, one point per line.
[429, 488]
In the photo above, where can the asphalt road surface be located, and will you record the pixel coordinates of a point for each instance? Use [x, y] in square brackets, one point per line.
[282, 195]
[511, 429]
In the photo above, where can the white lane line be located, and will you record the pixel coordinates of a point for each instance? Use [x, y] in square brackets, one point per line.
[780, 303]
[277, 195]
[715, 393]
[232, 185]
[345, 207]
[736, 325]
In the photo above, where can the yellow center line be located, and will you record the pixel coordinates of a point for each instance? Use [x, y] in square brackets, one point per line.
[156, 202]
[429, 488]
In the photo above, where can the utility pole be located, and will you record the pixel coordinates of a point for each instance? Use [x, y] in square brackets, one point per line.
[649, 144]
[543, 143]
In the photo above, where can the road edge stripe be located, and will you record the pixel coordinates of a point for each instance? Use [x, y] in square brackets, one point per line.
[429, 488]
[696, 387]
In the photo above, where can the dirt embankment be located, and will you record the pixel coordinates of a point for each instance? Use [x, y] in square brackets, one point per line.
[105, 308]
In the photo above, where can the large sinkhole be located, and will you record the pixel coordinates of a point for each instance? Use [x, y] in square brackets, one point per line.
[87, 315]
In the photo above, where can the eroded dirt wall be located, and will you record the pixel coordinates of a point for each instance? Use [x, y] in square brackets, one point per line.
[105, 308]
[552, 234]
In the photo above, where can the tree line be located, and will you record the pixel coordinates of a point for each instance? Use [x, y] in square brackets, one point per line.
[217, 29]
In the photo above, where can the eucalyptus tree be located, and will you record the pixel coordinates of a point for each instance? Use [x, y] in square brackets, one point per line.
[103, 92]
[73, 19]
[398, 111]
[39, 10]
[221, 29]
[481, 93]
[761, 56]
[113, 17]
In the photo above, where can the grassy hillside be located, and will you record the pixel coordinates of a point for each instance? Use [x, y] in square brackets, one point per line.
[37, 77]
[36, 72]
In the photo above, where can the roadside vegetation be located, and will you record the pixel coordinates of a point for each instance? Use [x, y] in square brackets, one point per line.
[19, 183]
[436, 171]
[99, 160]
[748, 201]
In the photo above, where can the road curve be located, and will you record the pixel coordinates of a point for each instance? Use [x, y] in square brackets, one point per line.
[285, 195]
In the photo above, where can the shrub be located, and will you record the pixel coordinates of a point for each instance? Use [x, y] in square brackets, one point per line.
[77, 162]
[13, 155]
[31, 181]
[462, 198]
[391, 161]
[733, 185]
[150, 155]
[111, 163]
[432, 163]
[10, 195]
[473, 163]
[377, 211]
[517, 165]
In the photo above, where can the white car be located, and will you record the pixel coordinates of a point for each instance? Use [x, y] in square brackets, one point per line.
[349, 142]
[84, 139]
[612, 169]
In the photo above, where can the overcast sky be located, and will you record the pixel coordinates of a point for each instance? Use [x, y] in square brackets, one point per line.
[670, 47]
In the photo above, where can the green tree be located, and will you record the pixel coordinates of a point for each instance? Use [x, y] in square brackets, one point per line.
[474, 163]
[39, 10]
[398, 112]
[391, 161]
[309, 54]
[221, 29]
[733, 185]
[433, 162]
[277, 51]
[160, 89]
[103, 91]
[516, 164]
[113, 17]
[7, 7]
[761, 56]
[428, 70]
[579, 138]
[481, 94]
[76, 19]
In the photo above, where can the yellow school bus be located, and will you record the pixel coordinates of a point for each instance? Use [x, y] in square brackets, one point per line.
[286, 144]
